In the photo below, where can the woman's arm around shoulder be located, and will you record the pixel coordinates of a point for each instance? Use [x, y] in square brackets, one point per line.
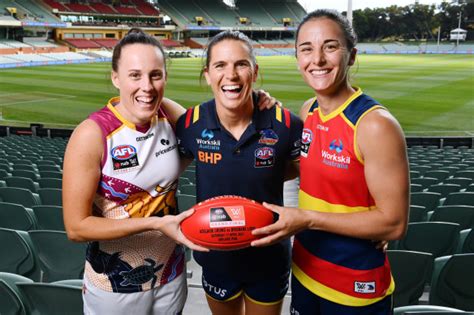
[81, 176]
[173, 110]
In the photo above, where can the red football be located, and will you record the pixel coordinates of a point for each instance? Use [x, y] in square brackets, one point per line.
[225, 222]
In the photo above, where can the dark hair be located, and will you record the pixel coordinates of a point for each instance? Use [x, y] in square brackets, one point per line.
[230, 35]
[341, 20]
[134, 36]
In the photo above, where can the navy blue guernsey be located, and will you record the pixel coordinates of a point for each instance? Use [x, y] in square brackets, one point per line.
[252, 167]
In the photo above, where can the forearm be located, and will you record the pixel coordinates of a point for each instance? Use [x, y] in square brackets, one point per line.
[94, 228]
[374, 224]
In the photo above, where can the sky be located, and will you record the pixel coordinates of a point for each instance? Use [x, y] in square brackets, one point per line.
[341, 5]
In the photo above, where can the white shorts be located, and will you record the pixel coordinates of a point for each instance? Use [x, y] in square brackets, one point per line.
[166, 299]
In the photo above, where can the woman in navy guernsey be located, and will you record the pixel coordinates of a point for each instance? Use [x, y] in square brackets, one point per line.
[354, 184]
[240, 150]
[119, 195]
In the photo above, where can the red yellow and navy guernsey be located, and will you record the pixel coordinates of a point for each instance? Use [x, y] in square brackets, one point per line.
[344, 270]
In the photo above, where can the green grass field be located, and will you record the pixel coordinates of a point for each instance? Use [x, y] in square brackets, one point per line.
[429, 94]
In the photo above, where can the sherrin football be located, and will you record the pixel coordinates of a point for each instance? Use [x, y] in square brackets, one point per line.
[226, 222]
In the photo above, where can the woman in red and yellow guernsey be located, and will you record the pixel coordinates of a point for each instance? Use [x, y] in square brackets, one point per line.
[354, 183]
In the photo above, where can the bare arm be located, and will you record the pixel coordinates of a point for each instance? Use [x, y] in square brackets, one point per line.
[173, 109]
[305, 108]
[81, 176]
[383, 149]
[386, 172]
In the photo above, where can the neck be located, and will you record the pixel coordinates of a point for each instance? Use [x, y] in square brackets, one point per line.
[329, 102]
[235, 120]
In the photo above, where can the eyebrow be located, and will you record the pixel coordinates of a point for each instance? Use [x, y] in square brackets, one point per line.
[222, 61]
[325, 42]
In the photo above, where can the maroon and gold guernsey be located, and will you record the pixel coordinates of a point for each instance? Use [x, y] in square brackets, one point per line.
[341, 269]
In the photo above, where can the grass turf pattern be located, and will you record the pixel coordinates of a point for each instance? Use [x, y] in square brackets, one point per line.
[428, 94]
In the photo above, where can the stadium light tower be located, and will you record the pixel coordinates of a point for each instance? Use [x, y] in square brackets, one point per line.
[349, 11]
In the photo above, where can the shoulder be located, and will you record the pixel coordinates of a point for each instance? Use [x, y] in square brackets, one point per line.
[87, 138]
[306, 107]
[379, 129]
[282, 117]
[192, 118]
[378, 120]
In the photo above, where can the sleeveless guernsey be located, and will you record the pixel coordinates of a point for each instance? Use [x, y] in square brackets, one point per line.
[139, 172]
[344, 270]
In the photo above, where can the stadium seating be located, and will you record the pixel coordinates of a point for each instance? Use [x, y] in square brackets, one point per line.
[59, 258]
[37, 11]
[12, 299]
[425, 182]
[25, 173]
[187, 190]
[429, 200]
[461, 181]
[466, 242]
[74, 282]
[50, 183]
[417, 214]
[49, 217]
[462, 215]
[425, 309]
[437, 238]
[16, 217]
[18, 254]
[22, 182]
[444, 189]
[411, 270]
[452, 280]
[51, 174]
[52, 299]
[20, 196]
[50, 196]
[460, 198]
[185, 202]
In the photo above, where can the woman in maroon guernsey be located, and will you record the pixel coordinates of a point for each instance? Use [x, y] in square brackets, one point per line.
[354, 182]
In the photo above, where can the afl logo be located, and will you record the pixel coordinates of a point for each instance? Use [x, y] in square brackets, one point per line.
[123, 152]
[264, 153]
[306, 136]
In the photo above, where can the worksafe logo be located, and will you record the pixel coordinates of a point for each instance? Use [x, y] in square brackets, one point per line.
[336, 146]
[207, 134]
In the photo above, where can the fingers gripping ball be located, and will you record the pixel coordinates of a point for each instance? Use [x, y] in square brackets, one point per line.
[226, 222]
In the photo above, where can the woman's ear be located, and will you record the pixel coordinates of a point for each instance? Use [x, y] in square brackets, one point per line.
[206, 75]
[352, 56]
[115, 80]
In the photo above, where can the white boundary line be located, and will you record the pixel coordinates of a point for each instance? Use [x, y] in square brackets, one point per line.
[36, 100]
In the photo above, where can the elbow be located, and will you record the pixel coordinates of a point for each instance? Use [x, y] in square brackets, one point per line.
[397, 231]
[75, 236]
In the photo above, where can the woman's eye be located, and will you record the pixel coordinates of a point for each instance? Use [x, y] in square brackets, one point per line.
[156, 76]
[305, 49]
[331, 47]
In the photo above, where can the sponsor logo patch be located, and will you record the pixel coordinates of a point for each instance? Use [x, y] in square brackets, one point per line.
[209, 157]
[143, 138]
[306, 139]
[336, 159]
[264, 157]
[268, 137]
[124, 156]
[207, 141]
[226, 216]
[364, 287]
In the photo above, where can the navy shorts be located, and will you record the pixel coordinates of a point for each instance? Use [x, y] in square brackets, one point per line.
[305, 302]
[226, 287]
